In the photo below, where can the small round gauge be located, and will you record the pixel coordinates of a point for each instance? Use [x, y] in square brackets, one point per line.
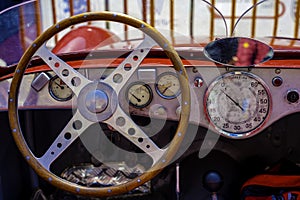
[237, 104]
[168, 85]
[59, 90]
[139, 94]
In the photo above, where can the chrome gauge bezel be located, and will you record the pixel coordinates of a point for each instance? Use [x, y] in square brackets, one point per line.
[158, 90]
[53, 95]
[144, 85]
[244, 134]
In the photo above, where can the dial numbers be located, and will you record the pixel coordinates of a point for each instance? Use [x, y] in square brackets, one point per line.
[139, 94]
[237, 104]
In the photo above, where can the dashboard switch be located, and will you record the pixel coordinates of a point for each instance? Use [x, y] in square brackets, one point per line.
[277, 81]
[40, 81]
[198, 82]
[292, 96]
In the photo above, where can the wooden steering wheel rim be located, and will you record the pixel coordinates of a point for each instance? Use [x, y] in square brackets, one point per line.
[174, 144]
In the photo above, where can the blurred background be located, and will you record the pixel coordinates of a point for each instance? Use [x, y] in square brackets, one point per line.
[8, 3]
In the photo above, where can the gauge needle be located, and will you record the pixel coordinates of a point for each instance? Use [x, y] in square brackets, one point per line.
[138, 99]
[61, 87]
[167, 86]
[236, 103]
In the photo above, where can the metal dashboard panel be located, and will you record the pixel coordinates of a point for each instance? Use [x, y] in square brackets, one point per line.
[167, 108]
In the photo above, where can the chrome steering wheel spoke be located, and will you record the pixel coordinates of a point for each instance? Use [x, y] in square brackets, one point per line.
[75, 127]
[68, 74]
[127, 68]
[121, 122]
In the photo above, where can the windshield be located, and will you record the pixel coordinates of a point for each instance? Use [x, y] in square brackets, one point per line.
[21, 24]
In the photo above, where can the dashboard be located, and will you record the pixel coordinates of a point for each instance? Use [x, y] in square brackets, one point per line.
[235, 102]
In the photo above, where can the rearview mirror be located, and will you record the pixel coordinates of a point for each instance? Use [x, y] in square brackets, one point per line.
[238, 51]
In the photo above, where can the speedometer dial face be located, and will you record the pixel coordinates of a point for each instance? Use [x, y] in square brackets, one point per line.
[237, 104]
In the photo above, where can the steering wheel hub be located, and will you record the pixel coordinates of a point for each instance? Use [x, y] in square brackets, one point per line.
[96, 101]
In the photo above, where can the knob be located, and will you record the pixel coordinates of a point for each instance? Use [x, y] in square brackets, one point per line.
[292, 96]
[212, 181]
[158, 110]
[277, 81]
[198, 82]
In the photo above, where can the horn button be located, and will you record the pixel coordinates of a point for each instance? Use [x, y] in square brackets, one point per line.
[97, 101]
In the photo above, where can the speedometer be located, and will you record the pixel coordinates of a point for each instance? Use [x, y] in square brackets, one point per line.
[237, 104]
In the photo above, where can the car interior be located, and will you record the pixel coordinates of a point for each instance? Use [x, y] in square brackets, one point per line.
[147, 99]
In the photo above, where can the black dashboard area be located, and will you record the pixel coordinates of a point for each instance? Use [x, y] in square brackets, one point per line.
[14, 171]
[235, 160]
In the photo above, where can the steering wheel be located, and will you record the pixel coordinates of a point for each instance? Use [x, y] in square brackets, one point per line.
[97, 101]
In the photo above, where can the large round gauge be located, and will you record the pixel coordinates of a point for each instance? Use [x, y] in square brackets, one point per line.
[168, 85]
[59, 90]
[237, 104]
[139, 94]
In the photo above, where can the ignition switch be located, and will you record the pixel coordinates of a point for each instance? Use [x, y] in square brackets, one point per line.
[292, 96]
